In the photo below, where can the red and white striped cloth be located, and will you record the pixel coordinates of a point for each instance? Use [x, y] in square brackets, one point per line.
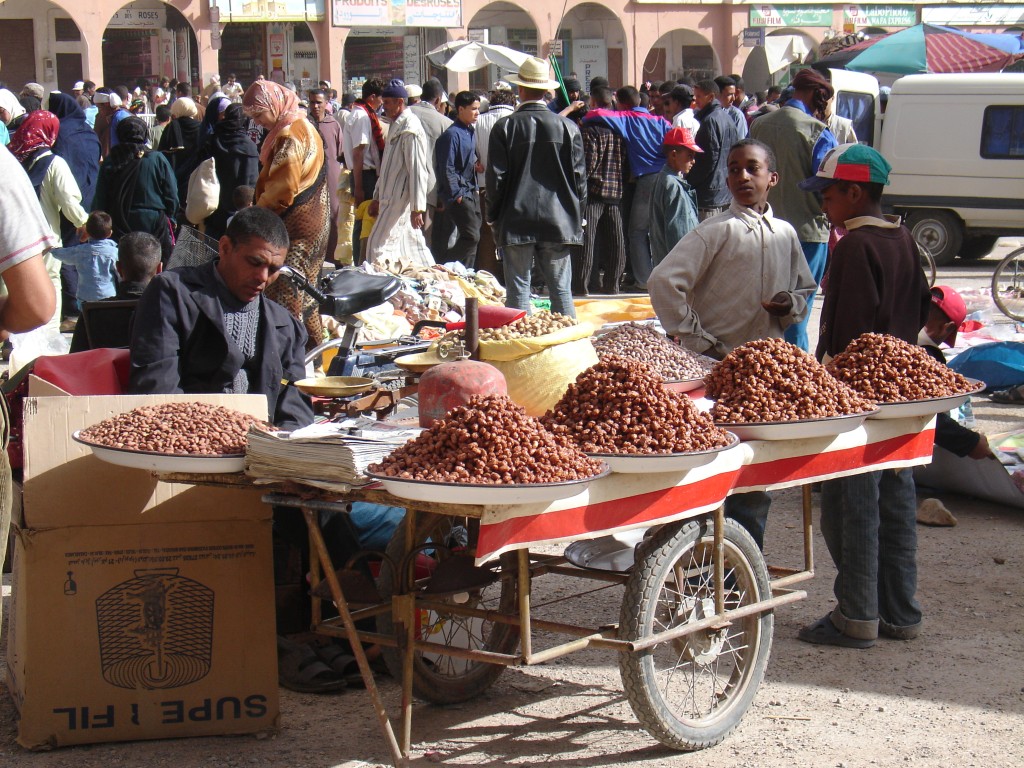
[620, 502]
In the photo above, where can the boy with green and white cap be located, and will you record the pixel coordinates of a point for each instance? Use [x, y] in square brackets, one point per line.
[874, 284]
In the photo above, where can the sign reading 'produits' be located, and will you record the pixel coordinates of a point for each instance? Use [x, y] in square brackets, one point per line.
[397, 13]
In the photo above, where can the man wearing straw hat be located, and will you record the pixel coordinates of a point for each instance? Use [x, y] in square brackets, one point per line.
[536, 191]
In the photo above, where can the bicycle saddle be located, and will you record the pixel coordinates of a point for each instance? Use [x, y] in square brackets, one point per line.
[352, 290]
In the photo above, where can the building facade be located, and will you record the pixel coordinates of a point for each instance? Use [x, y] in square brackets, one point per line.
[56, 42]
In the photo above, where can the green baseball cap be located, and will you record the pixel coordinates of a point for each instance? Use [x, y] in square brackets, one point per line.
[849, 162]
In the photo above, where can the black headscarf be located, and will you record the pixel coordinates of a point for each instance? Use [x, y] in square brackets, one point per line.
[77, 143]
[230, 136]
[122, 165]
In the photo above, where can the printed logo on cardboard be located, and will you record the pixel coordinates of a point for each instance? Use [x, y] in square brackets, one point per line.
[155, 631]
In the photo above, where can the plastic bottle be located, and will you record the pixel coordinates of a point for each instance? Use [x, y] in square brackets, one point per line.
[966, 415]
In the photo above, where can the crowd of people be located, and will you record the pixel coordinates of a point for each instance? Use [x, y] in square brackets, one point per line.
[726, 207]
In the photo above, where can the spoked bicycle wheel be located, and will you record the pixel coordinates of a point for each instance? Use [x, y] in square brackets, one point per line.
[690, 692]
[439, 678]
[927, 264]
[1008, 285]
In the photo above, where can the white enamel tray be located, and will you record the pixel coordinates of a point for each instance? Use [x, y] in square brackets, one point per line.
[796, 430]
[477, 493]
[633, 463]
[166, 462]
[927, 407]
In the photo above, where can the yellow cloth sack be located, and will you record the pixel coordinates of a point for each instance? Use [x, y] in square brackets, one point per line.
[514, 349]
[537, 381]
[619, 311]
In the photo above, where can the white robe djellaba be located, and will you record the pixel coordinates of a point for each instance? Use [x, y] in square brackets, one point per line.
[401, 188]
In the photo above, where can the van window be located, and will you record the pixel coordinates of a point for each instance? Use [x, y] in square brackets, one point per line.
[860, 108]
[1002, 132]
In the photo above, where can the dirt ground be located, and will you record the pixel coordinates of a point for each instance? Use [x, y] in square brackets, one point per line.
[952, 697]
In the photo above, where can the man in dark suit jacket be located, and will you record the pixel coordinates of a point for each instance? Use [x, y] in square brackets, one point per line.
[210, 329]
[536, 191]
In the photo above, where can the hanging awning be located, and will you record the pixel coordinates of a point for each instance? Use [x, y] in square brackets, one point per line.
[783, 50]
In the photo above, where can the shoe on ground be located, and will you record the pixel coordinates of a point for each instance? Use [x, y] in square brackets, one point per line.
[824, 632]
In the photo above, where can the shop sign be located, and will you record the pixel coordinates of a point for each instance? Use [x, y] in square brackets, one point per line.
[791, 16]
[994, 15]
[411, 59]
[879, 15]
[132, 16]
[276, 44]
[589, 59]
[269, 10]
[753, 37]
[397, 13]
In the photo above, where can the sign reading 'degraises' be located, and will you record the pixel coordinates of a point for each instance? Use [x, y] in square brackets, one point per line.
[397, 13]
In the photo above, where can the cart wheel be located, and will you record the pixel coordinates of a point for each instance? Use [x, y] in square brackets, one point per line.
[690, 692]
[446, 679]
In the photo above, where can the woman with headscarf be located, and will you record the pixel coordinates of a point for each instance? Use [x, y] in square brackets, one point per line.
[137, 187]
[55, 185]
[214, 113]
[80, 148]
[10, 110]
[236, 160]
[180, 143]
[293, 184]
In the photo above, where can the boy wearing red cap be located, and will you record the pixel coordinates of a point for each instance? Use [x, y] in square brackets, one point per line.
[945, 316]
[875, 284]
[673, 200]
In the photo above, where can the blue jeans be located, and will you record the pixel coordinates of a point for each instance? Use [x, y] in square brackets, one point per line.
[556, 266]
[816, 255]
[751, 511]
[868, 522]
[639, 229]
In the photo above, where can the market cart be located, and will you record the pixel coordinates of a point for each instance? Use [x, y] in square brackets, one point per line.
[695, 626]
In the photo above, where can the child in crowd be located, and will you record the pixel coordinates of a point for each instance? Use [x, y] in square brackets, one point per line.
[875, 284]
[241, 197]
[94, 258]
[138, 261]
[673, 200]
[704, 299]
[361, 230]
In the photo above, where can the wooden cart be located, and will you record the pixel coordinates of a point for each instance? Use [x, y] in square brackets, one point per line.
[695, 627]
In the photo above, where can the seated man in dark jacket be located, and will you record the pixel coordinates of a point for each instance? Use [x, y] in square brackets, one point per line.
[209, 329]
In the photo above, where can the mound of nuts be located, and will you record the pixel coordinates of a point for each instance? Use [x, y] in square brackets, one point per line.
[890, 370]
[488, 441]
[641, 342]
[621, 406]
[193, 429]
[770, 380]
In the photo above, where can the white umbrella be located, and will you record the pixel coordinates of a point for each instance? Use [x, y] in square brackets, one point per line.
[464, 56]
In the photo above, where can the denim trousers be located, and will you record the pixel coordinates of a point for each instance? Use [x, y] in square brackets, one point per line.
[817, 256]
[751, 511]
[556, 266]
[639, 229]
[869, 525]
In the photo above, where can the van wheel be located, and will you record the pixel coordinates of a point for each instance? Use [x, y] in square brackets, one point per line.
[977, 247]
[940, 232]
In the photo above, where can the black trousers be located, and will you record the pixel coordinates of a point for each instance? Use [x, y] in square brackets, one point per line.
[464, 217]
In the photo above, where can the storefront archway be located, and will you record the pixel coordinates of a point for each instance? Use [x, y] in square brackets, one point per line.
[146, 40]
[505, 24]
[50, 45]
[681, 53]
[280, 51]
[593, 44]
[771, 63]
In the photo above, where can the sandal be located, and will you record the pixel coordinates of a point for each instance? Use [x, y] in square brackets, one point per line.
[300, 669]
[1011, 396]
[824, 632]
[342, 663]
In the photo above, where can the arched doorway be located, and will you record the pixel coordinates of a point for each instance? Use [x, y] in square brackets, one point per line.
[44, 45]
[279, 51]
[501, 24]
[593, 44]
[772, 63]
[384, 53]
[146, 40]
[681, 53]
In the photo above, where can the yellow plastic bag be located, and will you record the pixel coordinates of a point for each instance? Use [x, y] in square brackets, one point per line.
[514, 349]
[537, 381]
[621, 310]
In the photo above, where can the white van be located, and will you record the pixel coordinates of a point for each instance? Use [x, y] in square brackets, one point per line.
[956, 145]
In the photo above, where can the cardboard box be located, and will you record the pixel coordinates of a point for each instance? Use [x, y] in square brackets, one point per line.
[142, 610]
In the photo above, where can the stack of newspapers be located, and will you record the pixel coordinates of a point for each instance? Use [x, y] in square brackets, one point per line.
[330, 455]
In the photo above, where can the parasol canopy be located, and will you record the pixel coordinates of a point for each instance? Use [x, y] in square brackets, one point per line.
[464, 56]
[925, 48]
